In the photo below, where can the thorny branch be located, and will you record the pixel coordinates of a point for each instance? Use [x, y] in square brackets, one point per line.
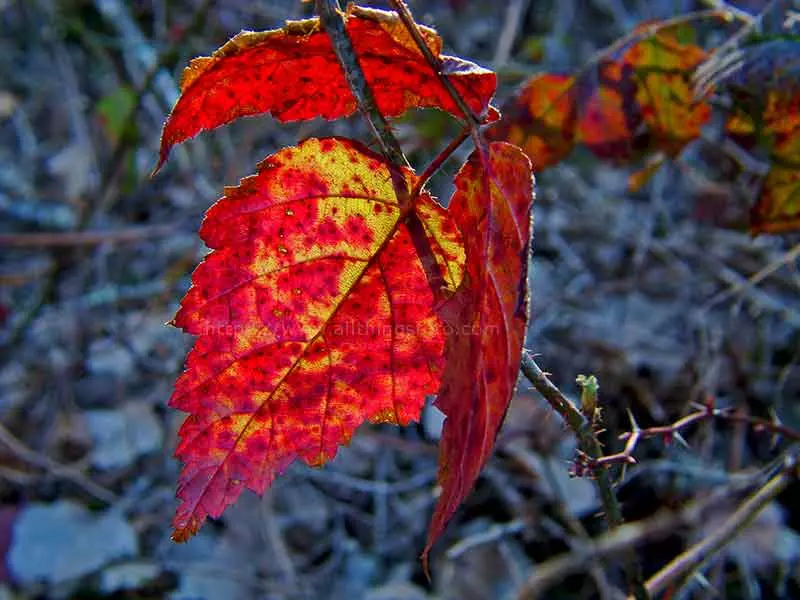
[632, 535]
[589, 445]
[582, 427]
[591, 461]
[587, 463]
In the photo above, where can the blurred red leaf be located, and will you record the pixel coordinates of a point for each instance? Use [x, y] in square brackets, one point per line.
[293, 74]
[313, 314]
[488, 316]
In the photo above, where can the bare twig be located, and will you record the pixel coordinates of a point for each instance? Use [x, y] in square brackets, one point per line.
[492, 534]
[22, 452]
[695, 557]
[787, 259]
[85, 238]
[707, 72]
[514, 17]
[625, 537]
[673, 431]
[733, 11]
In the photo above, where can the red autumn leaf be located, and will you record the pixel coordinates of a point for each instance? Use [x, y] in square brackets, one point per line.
[540, 119]
[313, 314]
[293, 74]
[488, 316]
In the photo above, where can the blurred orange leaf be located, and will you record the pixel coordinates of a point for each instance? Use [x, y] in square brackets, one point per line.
[778, 207]
[638, 179]
[619, 108]
[663, 66]
[609, 117]
[540, 119]
[773, 121]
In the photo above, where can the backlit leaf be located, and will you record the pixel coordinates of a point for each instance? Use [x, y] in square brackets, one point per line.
[313, 313]
[773, 121]
[609, 117]
[293, 74]
[636, 101]
[778, 208]
[540, 119]
[663, 66]
[487, 317]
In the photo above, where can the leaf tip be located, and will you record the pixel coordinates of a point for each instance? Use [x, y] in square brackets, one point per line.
[162, 159]
[181, 536]
[184, 529]
[492, 115]
[425, 562]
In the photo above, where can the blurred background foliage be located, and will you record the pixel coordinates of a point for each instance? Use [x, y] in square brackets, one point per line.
[665, 308]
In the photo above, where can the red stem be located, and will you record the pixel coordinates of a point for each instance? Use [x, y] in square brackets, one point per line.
[438, 161]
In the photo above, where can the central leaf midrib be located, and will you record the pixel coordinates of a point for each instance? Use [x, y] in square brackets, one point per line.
[249, 422]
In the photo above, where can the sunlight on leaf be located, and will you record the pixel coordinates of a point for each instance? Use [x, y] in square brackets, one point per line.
[488, 317]
[313, 314]
[293, 74]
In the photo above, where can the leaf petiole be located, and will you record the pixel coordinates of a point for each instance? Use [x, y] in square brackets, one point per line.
[437, 162]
